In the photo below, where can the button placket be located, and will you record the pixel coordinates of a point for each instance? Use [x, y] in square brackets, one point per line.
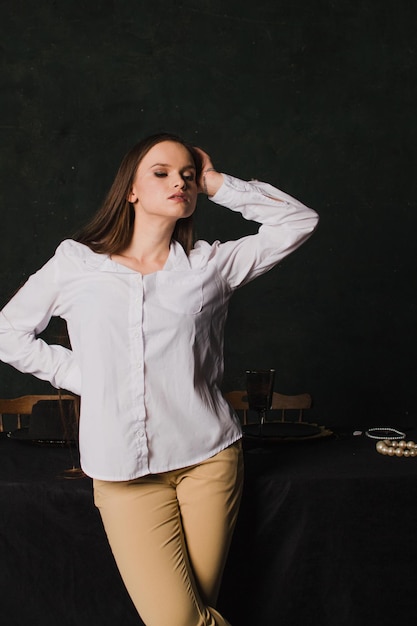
[137, 369]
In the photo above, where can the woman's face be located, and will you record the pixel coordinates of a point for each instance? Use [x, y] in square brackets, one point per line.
[165, 182]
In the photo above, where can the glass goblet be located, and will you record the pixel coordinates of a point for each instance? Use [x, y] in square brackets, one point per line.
[259, 388]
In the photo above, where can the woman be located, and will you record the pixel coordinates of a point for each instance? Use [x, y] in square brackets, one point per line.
[145, 311]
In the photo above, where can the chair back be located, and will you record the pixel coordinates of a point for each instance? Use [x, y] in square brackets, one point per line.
[23, 406]
[238, 400]
[284, 403]
[280, 402]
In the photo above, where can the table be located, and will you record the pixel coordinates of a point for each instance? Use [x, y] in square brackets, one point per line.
[325, 537]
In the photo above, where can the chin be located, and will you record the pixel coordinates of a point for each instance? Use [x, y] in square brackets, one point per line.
[186, 213]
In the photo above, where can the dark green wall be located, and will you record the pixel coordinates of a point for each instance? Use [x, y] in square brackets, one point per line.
[315, 96]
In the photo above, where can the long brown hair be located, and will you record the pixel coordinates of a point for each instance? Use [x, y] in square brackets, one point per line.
[111, 228]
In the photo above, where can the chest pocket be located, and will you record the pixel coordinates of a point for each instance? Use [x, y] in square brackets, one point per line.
[180, 292]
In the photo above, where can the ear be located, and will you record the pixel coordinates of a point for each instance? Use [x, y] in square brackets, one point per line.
[132, 197]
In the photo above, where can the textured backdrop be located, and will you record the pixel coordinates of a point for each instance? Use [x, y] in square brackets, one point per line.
[315, 96]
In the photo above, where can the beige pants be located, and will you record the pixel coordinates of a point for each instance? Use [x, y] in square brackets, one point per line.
[170, 534]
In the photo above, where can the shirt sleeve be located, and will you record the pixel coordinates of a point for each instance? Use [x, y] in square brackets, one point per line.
[285, 224]
[25, 316]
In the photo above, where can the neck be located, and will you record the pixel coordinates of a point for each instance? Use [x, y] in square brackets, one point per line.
[150, 241]
[149, 247]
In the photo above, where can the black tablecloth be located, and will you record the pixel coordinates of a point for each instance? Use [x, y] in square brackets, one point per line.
[325, 537]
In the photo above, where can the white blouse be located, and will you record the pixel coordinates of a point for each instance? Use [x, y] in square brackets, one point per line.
[147, 351]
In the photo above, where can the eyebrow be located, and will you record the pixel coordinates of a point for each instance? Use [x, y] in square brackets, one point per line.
[189, 166]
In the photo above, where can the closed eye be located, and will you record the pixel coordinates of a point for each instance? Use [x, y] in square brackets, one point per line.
[188, 176]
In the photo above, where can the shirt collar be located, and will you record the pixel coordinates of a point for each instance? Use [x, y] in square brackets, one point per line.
[177, 261]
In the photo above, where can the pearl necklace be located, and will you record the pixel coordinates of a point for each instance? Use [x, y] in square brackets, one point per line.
[389, 447]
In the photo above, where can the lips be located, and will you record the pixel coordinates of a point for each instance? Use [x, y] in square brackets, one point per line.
[180, 197]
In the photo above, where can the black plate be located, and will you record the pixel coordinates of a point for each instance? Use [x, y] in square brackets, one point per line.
[22, 434]
[284, 431]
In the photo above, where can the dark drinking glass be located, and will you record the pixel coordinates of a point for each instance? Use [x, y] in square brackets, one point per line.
[260, 387]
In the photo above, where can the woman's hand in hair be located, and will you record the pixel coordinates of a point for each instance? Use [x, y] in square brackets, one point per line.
[210, 179]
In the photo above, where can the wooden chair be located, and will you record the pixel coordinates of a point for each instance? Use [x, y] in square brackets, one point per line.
[283, 403]
[239, 401]
[23, 406]
[280, 402]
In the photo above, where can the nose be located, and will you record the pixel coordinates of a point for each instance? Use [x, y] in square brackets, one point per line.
[180, 182]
